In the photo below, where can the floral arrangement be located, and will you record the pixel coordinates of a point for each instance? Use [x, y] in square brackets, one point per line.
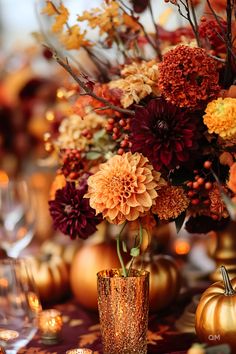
[151, 136]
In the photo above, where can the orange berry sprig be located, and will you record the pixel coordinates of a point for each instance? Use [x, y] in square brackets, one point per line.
[198, 189]
[120, 129]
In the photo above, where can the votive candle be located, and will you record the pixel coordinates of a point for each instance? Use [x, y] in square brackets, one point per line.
[50, 325]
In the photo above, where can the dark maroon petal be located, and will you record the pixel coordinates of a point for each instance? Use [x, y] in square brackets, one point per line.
[71, 212]
[165, 134]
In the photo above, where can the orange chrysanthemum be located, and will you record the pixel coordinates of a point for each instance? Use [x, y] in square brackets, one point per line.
[188, 77]
[170, 203]
[220, 117]
[124, 188]
[232, 178]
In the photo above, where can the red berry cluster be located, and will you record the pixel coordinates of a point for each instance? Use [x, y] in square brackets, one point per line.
[198, 189]
[72, 165]
[120, 129]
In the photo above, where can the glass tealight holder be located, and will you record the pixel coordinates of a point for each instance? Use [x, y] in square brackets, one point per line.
[79, 351]
[50, 325]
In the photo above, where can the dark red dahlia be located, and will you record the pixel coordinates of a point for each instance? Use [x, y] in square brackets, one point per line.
[165, 134]
[71, 212]
[139, 5]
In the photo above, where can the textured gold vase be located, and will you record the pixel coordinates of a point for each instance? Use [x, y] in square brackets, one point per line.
[123, 311]
[225, 251]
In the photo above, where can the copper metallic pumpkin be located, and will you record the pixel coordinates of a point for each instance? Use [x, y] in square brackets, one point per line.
[89, 260]
[65, 251]
[216, 313]
[164, 280]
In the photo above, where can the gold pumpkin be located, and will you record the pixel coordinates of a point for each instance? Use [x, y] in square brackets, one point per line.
[215, 321]
[164, 279]
[51, 276]
[65, 251]
[88, 261]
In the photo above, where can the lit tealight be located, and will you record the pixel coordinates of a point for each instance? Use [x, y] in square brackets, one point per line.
[79, 351]
[50, 325]
[7, 335]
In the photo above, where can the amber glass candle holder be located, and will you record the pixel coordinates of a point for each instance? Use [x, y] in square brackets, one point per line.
[123, 311]
[50, 325]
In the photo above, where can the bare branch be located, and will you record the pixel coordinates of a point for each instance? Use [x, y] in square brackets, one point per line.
[87, 90]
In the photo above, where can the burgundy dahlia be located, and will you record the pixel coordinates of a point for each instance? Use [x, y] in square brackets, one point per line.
[165, 134]
[71, 213]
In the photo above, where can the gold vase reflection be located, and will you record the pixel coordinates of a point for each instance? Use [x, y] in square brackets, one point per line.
[123, 311]
[225, 251]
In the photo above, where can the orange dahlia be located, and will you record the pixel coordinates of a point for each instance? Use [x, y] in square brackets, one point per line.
[170, 203]
[124, 188]
[220, 117]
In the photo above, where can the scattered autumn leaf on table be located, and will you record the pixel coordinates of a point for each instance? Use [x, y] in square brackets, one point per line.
[76, 322]
[88, 338]
[153, 337]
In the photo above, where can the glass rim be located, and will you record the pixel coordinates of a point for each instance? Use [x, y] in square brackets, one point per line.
[104, 274]
[10, 261]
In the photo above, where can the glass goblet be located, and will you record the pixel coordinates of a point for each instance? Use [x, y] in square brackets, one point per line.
[17, 217]
[19, 305]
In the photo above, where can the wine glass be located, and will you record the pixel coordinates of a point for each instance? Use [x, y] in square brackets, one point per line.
[19, 305]
[17, 217]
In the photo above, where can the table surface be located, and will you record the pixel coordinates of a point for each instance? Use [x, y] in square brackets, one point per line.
[81, 329]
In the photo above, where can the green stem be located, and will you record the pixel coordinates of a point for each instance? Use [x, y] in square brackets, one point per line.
[229, 290]
[139, 245]
[124, 270]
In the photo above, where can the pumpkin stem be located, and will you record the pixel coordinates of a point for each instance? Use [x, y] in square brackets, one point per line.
[227, 283]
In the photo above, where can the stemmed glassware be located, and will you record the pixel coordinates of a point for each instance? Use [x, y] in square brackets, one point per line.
[17, 217]
[19, 305]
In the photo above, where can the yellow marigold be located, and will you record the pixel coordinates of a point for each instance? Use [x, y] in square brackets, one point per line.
[72, 128]
[232, 178]
[217, 205]
[170, 203]
[139, 80]
[220, 117]
[124, 188]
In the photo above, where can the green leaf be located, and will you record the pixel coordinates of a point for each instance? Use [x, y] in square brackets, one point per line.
[93, 155]
[134, 252]
[179, 221]
[99, 134]
[124, 247]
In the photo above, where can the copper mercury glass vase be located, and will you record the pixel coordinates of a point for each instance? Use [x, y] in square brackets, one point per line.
[123, 311]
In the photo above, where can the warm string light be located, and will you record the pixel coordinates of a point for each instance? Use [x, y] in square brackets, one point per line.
[181, 247]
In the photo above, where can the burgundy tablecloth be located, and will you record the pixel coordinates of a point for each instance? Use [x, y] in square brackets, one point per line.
[81, 329]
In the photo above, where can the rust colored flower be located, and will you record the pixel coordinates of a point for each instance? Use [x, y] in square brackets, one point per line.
[124, 188]
[102, 90]
[170, 202]
[188, 77]
[211, 32]
[232, 178]
[217, 206]
[220, 117]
